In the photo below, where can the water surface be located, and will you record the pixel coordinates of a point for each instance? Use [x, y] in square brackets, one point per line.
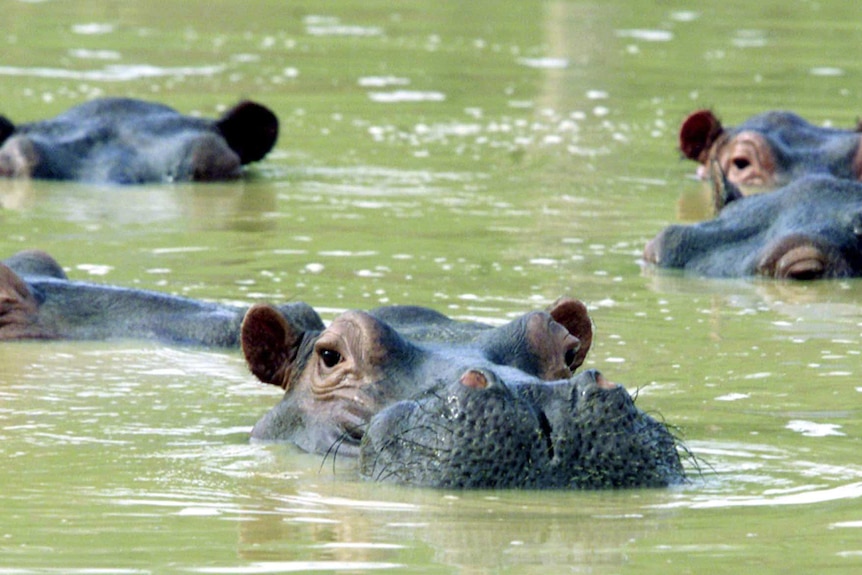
[481, 158]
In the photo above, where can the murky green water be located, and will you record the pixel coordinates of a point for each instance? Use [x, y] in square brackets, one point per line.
[480, 158]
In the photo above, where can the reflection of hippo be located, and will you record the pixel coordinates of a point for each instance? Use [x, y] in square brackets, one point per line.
[38, 301]
[123, 141]
[809, 229]
[484, 406]
[771, 149]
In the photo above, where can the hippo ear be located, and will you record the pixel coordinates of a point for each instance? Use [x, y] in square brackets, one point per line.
[250, 130]
[7, 128]
[697, 135]
[572, 314]
[269, 344]
[18, 309]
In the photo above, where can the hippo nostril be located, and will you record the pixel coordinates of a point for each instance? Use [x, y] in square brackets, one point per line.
[603, 383]
[474, 379]
[651, 251]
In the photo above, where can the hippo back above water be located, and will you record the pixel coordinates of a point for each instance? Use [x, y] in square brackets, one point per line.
[425, 400]
[771, 149]
[126, 141]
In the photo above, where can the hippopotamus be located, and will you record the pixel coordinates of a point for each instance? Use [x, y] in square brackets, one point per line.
[38, 301]
[770, 150]
[126, 141]
[423, 399]
[809, 229]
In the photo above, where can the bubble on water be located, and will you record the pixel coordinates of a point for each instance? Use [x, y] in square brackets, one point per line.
[813, 429]
[732, 397]
[85, 54]
[684, 15]
[92, 28]
[646, 35]
[545, 63]
[382, 81]
[95, 269]
[398, 96]
[826, 71]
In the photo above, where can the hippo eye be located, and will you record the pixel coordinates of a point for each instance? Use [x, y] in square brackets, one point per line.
[330, 357]
[741, 163]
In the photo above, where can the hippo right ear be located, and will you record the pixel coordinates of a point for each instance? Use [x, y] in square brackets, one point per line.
[270, 344]
[250, 130]
[572, 314]
[698, 133]
[7, 128]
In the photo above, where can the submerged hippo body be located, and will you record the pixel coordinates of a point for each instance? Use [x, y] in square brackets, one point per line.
[38, 301]
[125, 141]
[771, 149]
[500, 404]
[809, 229]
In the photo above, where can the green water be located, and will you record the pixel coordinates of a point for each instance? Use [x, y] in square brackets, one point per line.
[481, 158]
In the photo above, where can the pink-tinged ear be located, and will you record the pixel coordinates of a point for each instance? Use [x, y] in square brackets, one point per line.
[18, 309]
[697, 135]
[269, 344]
[572, 315]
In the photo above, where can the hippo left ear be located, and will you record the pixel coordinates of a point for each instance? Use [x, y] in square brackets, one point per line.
[269, 343]
[698, 133]
[7, 128]
[572, 314]
[250, 130]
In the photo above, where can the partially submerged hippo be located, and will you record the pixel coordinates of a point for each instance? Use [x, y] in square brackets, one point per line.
[770, 150]
[125, 141]
[809, 229]
[38, 301]
[424, 399]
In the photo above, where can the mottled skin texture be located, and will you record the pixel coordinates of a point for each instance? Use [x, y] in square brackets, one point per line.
[770, 150]
[809, 229]
[416, 395]
[502, 429]
[125, 141]
[38, 301]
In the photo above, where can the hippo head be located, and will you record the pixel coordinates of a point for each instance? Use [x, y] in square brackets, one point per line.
[809, 229]
[771, 149]
[338, 378]
[500, 429]
[125, 141]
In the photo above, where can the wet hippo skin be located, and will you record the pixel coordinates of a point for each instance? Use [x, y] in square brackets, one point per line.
[38, 301]
[771, 149]
[422, 399]
[808, 229]
[125, 141]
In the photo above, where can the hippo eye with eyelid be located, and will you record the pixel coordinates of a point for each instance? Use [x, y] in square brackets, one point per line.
[330, 357]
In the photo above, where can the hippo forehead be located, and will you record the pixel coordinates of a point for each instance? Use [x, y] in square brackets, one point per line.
[801, 148]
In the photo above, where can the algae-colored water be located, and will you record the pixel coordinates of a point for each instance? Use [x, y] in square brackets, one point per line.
[481, 158]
